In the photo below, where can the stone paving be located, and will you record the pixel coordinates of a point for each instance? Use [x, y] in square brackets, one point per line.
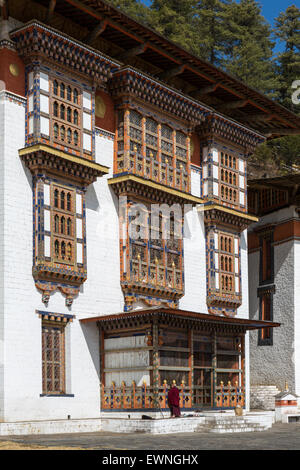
[280, 437]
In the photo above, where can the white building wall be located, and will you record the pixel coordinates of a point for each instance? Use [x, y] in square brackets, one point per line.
[273, 365]
[2, 134]
[296, 356]
[243, 310]
[194, 298]
[100, 294]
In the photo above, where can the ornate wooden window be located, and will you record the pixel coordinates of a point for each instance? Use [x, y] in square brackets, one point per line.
[65, 114]
[156, 260]
[229, 176]
[53, 358]
[226, 263]
[63, 221]
[266, 257]
[265, 335]
[155, 150]
[266, 315]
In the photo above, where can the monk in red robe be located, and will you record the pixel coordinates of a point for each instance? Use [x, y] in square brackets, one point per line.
[173, 401]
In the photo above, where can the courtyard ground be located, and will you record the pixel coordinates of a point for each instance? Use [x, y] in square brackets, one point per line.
[280, 437]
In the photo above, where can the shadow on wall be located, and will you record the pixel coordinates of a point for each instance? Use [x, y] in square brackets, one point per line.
[91, 336]
[91, 199]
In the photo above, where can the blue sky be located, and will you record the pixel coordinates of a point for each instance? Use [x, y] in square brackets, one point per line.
[271, 9]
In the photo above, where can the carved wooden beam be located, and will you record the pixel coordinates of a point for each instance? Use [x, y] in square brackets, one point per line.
[132, 52]
[204, 91]
[4, 9]
[270, 132]
[171, 73]
[51, 8]
[233, 105]
[258, 117]
[90, 38]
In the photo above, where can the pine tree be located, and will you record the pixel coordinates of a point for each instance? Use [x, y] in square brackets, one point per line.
[286, 150]
[288, 31]
[210, 27]
[136, 9]
[249, 47]
[173, 19]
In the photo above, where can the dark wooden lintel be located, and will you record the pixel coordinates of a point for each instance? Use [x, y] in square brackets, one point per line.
[99, 29]
[132, 52]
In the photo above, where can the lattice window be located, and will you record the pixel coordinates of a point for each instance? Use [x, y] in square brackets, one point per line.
[270, 198]
[226, 263]
[229, 177]
[151, 138]
[63, 223]
[159, 260]
[66, 114]
[266, 315]
[135, 132]
[181, 145]
[53, 358]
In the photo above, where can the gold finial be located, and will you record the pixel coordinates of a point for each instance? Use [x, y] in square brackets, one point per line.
[221, 383]
[167, 161]
[165, 381]
[182, 382]
[173, 264]
[174, 382]
[139, 256]
[286, 386]
[156, 261]
[229, 383]
[135, 148]
[151, 154]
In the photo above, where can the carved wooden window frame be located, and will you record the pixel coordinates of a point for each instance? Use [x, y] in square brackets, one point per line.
[53, 358]
[63, 214]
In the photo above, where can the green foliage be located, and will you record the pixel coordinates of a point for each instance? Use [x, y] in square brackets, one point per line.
[134, 8]
[250, 48]
[288, 69]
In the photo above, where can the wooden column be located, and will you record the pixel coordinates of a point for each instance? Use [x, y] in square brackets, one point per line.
[243, 384]
[155, 362]
[214, 364]
[191, 364]
[101, 365]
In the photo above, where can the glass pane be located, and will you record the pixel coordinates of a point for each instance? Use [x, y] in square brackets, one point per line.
[170, 375]
[202, 343]
[228, 343]
[202, 359]
[202, 387]
[226, 377]
[174, 358]
[227, 362]
[174, 338]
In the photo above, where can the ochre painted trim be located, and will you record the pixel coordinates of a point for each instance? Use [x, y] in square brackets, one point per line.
[230, 211]
[66, 156]
[157, 186]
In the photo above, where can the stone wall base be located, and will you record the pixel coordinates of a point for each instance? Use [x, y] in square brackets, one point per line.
[262, 397]
[59, 426]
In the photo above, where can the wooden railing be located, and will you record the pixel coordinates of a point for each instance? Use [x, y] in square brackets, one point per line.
[150, 168]
[144, 397]
[132, 397]
[229, 396]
